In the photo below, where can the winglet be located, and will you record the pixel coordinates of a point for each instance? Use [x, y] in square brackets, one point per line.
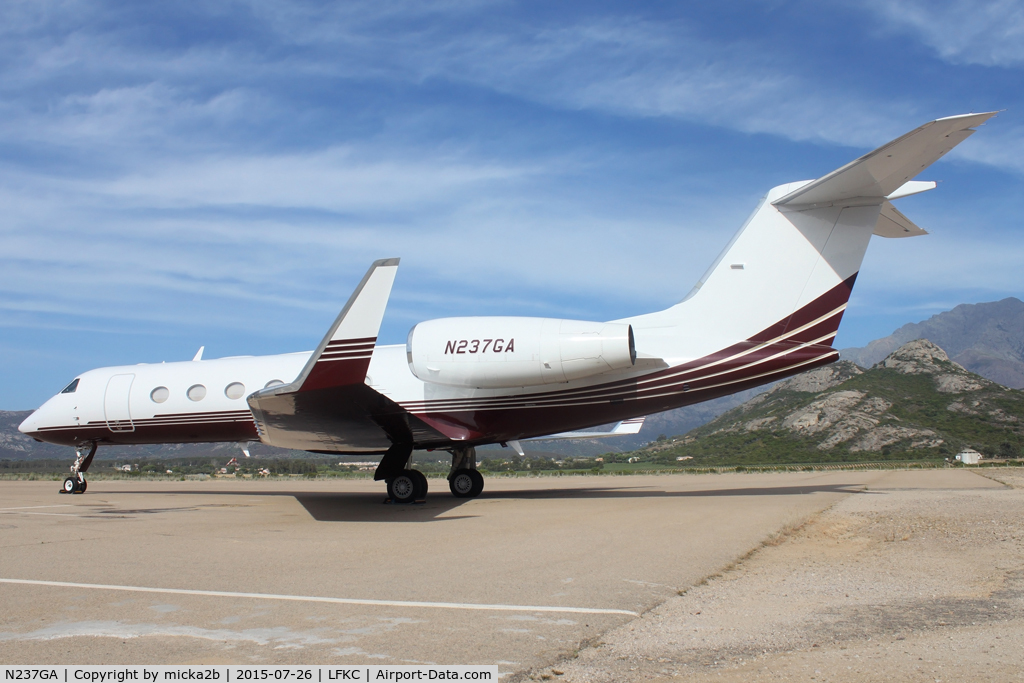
[343, 356]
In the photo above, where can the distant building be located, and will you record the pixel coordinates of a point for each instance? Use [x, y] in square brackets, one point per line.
[968, 456]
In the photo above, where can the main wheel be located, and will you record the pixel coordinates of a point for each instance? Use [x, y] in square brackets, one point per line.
[402, 489]
[478, 483]
[70, 485]
[83, 486]
[466, 483]
[421, 484]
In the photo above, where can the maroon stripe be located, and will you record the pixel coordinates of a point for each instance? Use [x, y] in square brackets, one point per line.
[344, 354]
[502, 424]
[795, 355]
[360, 340]
[829, 301]
[815, 332]
[336, 374]
[834, 298]
[349, 347]
[653, 382]
[193, 415]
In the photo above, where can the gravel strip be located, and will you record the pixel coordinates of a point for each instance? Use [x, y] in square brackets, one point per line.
[905, 584]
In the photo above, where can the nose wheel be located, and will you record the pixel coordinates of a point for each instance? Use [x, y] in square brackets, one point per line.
[76, 483]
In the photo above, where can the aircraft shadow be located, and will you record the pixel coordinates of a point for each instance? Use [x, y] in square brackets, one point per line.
[372, 507]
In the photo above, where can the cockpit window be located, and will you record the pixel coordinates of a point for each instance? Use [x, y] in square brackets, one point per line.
[70, 389]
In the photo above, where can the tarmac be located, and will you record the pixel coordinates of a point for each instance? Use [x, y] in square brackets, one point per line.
[531, 573]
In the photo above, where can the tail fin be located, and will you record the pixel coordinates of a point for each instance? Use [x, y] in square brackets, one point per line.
[790, 269]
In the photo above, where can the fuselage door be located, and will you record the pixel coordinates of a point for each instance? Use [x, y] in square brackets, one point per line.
[115, 403]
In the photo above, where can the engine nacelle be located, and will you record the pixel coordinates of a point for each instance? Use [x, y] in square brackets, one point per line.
[504, 352]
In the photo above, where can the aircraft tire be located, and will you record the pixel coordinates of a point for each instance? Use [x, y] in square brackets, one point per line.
[70, 485]
[462, 483]
[478, 483]
[421, 484]
[466, 483]
[402, 489]
[83, 486]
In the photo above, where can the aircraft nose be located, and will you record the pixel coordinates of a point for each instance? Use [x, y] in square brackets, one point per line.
[30, 424]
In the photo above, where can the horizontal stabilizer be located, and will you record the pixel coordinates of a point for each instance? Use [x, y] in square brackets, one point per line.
[886, 170]
[892, 223]
[912, 187]
[624, 428]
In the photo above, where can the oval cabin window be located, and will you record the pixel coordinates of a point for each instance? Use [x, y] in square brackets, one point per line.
[160, 394]
[196, 392]
[272, 383]
[234, 390]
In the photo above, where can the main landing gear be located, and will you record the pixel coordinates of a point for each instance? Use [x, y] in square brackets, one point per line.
[76, 483]
[464, 480]
[406, 485]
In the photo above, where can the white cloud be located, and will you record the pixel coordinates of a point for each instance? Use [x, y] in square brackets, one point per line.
[985, 32]
[234, 181]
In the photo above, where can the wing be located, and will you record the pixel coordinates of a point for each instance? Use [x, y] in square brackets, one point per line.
[624, 428]
[328, 407]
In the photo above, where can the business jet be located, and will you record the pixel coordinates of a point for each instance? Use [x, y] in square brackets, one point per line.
[767, 308]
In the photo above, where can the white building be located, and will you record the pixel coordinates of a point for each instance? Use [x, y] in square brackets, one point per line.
[968, 456]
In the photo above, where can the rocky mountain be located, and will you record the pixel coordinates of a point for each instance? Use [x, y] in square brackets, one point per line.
[916, 403]
[987, 339]
[16, 446]
[678, 421]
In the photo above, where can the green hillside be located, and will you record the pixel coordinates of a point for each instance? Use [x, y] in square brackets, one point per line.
[915, 404]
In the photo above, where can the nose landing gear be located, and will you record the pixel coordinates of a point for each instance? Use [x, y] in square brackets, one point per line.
[76, 483]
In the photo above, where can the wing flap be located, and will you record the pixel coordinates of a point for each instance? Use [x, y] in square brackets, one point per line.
[347, 419]
[624, 428]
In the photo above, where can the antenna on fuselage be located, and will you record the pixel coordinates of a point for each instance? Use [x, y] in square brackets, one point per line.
[199, 353]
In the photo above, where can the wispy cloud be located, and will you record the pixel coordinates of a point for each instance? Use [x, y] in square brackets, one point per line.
[986, 32]
[235, 166]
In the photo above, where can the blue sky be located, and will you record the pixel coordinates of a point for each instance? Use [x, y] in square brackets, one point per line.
[222, 173]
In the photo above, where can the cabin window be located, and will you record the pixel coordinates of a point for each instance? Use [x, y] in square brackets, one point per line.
[70, 389]
[196, 392]
[159, 395]
[234, 390]
[272, 383]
